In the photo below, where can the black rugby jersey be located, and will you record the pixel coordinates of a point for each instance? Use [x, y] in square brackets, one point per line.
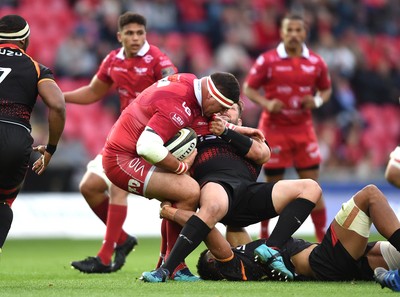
[19, 79]
[217, 158]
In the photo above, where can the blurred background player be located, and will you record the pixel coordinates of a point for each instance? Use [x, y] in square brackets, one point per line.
[129, 69]
[295, 80]
[16, 105]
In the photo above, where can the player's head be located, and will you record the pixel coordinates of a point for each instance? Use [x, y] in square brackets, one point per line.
[234, 114]
[222, 91]
[131, 32]
[206, 267]
[293, 31]
[14, 29]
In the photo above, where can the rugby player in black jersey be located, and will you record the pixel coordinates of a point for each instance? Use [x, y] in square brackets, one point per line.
[21, 80]
[344, 254]
[227, 167]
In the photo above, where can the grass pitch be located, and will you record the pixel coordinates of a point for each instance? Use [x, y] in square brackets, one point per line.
[41, 267]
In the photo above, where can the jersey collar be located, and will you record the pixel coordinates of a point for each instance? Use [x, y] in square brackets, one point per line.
[145, 48]
[197, 90]
[283, 54]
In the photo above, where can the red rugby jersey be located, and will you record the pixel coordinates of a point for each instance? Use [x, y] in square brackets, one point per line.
[131, 76]
[288, 79]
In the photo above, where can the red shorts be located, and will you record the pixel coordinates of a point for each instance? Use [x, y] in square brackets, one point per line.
[127, 171]
[292, 147]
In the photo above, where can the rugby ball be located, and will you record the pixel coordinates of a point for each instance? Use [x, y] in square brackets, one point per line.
[182, 144]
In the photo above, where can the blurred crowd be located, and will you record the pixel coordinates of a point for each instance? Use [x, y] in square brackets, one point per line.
[358, 39]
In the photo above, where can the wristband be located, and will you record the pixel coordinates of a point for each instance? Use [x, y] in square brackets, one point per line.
[318, 101]
[230, 126]
[182, 168]
[50, 148]
[241, 142]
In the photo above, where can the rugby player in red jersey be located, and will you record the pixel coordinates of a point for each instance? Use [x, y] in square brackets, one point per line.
[129, 69]
[294, 81]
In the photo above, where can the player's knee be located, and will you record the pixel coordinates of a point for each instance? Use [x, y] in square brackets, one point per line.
[312, 190]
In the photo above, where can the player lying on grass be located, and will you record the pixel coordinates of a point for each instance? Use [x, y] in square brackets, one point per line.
[344, 254]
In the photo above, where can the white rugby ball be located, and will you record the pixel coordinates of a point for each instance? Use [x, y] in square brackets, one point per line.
[182, 144]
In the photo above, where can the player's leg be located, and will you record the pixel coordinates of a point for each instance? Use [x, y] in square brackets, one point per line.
[353, 221]
[293, 200]
[318, 215]
[271, 176]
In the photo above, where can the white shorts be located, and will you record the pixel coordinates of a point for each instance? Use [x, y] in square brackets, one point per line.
[352, 218]
[96, 166]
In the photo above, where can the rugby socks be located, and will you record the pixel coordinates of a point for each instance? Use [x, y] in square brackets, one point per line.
[264, 229]
[6, 218]
[395, 239]
[115, 220]
[101, 212]
[173, 230]
[163, 246]
[192, 234]
[101, 209]
[291, 218]
[318, 217]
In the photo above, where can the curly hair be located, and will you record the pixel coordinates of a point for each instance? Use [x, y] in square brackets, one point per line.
[206, 267]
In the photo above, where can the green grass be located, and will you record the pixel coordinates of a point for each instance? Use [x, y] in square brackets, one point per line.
[41, 268]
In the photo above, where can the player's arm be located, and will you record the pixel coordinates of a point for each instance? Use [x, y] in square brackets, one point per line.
[90, 93]
[54, 99]
[251, 144]
[316, 101]
[272, 105]
[150, 147]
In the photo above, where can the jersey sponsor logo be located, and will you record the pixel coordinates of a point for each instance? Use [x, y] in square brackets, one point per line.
[120, 69]
[308, 69]
[177, 119]
[283, 68]
[305, 89]
[140, 70]
[10, 53]
[148, 58]
[164, 63]
[284, 89]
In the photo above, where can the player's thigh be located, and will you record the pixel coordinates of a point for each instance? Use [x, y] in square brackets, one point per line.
[181, 189]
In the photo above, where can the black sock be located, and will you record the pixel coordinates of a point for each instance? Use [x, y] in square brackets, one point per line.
[395, 239]
[6, 218]
[192, 234]
[291, 218]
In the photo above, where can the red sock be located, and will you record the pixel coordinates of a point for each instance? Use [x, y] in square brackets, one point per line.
[319, 219]
[116, 218]
[173, 230]
[264, 229]
[163, 246]
[101, 210]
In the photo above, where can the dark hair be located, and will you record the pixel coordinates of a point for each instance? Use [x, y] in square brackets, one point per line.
[206, 267]
[129, 18]
[293, 17]
[12, 23]
[227, 84]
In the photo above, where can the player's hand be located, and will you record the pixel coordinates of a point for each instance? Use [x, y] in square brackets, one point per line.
[217, 125]
[40, 165]
[274, 105]
[308, 102]
[190, 159]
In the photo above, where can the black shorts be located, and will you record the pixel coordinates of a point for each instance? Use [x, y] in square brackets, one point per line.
[249, 202]
[15, 151]
[331, 262]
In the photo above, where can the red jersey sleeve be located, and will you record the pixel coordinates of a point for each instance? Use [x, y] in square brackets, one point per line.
[324, 79]
[103, 73]
[257, 75]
